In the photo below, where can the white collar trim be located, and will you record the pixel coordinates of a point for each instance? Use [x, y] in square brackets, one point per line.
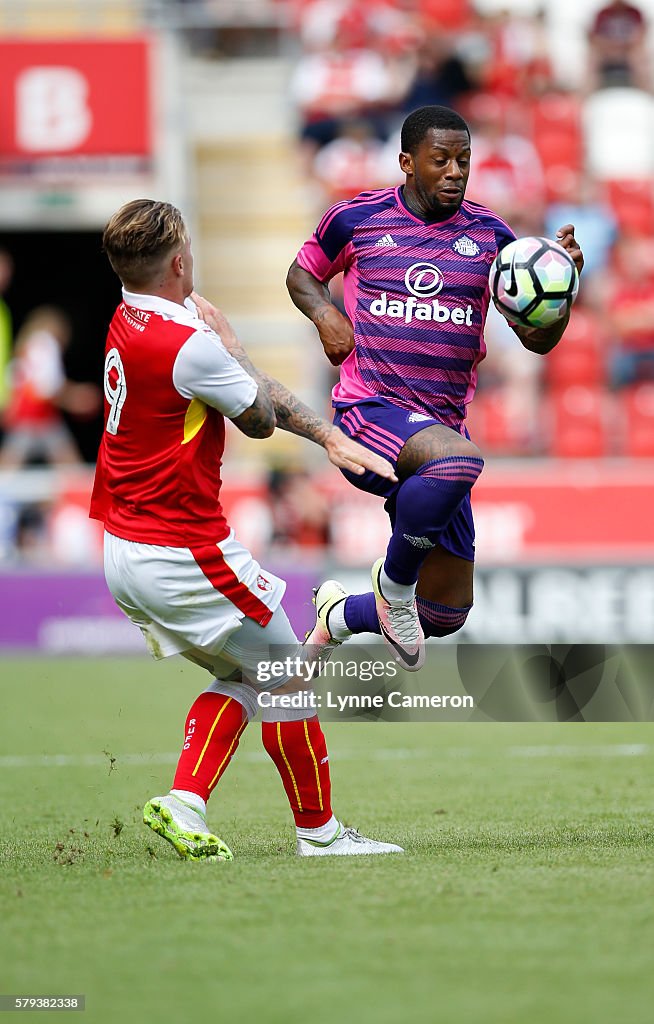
[156, 304]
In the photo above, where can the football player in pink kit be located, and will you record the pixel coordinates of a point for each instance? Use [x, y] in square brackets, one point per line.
[416, 262]
[172, 562]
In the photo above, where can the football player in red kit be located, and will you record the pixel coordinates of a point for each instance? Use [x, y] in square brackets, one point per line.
[172, 562]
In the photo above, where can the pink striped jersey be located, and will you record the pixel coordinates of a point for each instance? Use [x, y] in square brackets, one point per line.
[417, 294]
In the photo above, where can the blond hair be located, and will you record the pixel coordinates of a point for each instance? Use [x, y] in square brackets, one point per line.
[140, 236]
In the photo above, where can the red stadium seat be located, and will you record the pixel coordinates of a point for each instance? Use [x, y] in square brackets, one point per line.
[556, 111]
[562, 159]
[637, 405]
[476, 420]
[482, 107]
[633, 205]
[494, 428]
[445, 14]
[579, 356]
[579, 422]
[557, 149]
[556, 133]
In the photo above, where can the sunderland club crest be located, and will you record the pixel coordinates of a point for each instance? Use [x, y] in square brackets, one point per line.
[466, 246]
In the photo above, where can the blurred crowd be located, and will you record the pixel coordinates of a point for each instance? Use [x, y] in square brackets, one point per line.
[37, 402]
[543, 155]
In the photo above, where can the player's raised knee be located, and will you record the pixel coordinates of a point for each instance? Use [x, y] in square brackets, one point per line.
[462, 447]
[471, 450]
[436, 443]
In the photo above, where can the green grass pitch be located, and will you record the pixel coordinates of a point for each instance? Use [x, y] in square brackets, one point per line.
[525, 895]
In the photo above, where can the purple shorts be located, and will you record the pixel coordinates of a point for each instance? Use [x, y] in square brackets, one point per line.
[384, 427]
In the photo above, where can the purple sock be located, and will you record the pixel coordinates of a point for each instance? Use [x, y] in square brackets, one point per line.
[440, 619]
[426, 502]
[361, 613]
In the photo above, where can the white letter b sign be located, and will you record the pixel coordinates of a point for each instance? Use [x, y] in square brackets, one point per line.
[52, 113]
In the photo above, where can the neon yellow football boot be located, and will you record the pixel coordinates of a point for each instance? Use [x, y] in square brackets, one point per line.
[185, 828]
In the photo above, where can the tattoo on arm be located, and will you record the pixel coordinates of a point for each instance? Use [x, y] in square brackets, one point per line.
[291, 414]
[259, 419]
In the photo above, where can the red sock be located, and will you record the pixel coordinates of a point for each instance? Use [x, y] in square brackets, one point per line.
[213, 728]
[300, 754]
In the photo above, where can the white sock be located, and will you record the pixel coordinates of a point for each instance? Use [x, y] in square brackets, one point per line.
[336, 622]
[196, 802]
[322, 834]
[396, 593]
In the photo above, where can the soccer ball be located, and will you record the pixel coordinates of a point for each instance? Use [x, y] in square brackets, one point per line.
[533, 281]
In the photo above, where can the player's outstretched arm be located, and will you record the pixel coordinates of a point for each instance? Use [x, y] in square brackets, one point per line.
[543, 339]
[291, 414]
[312, 298]
[296, 417]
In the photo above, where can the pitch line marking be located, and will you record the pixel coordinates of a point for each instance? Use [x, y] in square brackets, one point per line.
[354, 754]
[606, 750]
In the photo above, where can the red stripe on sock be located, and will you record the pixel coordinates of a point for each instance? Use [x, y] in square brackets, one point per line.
[299, 751]
[213, 728]
[212, 562]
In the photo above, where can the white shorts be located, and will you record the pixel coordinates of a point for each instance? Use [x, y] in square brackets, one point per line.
[191, 602]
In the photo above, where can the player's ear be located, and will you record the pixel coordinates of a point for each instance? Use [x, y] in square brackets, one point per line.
[178, 264]
[406, 163]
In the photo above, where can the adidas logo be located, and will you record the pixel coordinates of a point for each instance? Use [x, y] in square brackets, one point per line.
[386, 242]
[419, 542]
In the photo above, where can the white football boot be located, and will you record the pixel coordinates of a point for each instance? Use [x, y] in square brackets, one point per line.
[346, 843]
